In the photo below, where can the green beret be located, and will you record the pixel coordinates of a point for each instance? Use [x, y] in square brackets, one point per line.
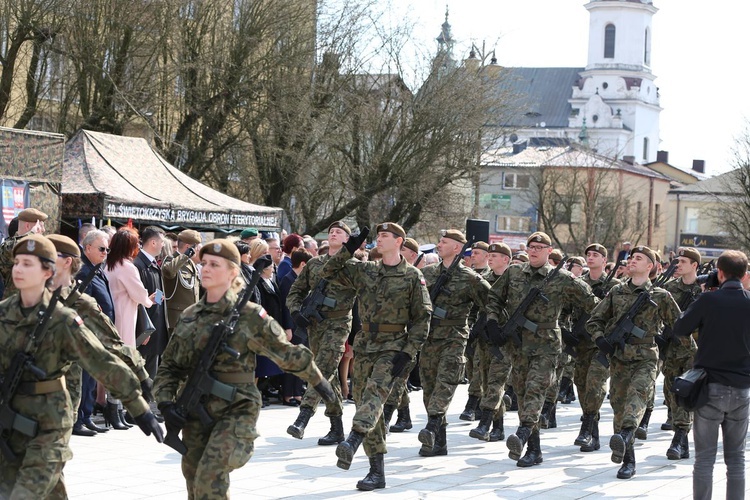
[522, 256]
[556, 255]
[480, 245]
[391, 227]
[189, 236]
[453, 234]
[36, 244]
[645, 251]
[577, 260]
[339, 224]
[411, 244]
[500, 248]
[596, 247]
[690, 253]
[32, 215]
[221, 248]
[248, 233]
[65, 245]
[539, 237]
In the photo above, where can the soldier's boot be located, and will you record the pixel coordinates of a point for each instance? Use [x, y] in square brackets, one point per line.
[388, 415]
[403, 422]
[345, 451]
[564, 395]
[482, 431]
[544, 416]
[335, 435]
[667, 426]
[441, 444]
[513, 399]
[628, 464]
[498, 431]
[508, 401]
[470, 412]
[584, 437]
[552, 417]
[517, 441]
[642, 431]
[533, 454]
[571, 392]
[619, 443]
[594, 444]
[679, 448]
[427, 435]
[297, 429]
[375, 479]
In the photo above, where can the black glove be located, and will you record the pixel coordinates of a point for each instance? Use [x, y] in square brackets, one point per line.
[148, 424]
[356, 241]
[604, 346]
[326, 391]
[263, 262]
[171, 417]
[399, 362]
[146, 387]
[494, 334]
[300, 320]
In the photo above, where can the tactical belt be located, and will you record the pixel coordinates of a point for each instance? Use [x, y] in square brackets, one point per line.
[44, 387]
[547, 326]
[636, 341]
[335, 314]
[447, 322]
[382, 327]
[234, 377]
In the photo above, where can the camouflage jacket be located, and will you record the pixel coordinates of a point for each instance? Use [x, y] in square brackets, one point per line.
[67, 341]
[684, 295]
[389, 295]
[255, 333]
[6, 264]
[465, 292]
[663, 310]
[598, 289]
[513, 286]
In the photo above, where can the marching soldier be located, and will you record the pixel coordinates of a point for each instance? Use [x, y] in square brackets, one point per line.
[180, 275]
[30, 221]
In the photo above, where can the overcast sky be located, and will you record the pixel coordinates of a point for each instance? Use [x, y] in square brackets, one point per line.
[699, 56]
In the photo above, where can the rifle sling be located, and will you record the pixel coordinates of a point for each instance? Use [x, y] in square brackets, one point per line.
[44, 387]
[636, 341]
[447, 322]
[335, 314]
[382, 327]
[234, 377]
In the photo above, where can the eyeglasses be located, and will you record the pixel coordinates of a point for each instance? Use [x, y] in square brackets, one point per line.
[537, 248]
[103, 249]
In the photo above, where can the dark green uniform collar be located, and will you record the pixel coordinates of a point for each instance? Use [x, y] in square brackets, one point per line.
[647, 286]
[543, 271]
[397, 270]
[220, 307]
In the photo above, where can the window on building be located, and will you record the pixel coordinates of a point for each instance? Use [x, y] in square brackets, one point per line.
[657, 215]
[647, 48]
[691, 219]
[512, 180]
[609, 41]
[511, 223]
[645, 149]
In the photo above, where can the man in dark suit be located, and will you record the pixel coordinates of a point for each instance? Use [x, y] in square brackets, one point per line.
[152, 241]
[723, 322]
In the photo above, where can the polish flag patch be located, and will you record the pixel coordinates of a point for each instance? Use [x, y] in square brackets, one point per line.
[424, 283]
[78, 320]
[262, 313]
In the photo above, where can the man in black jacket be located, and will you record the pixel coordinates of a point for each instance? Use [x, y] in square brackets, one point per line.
[723, 320]
[152, 241]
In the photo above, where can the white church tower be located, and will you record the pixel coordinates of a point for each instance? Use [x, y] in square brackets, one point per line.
[616, 94]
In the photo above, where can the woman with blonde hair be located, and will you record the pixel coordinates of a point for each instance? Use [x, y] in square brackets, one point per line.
[258, 248]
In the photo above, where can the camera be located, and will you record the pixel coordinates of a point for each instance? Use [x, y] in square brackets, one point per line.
[710, 280]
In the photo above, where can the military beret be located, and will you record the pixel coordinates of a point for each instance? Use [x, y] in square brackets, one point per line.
[453, 234]
[32, 215]
[411, 244]
[596, 247]
[500, 248]
[248, 233]
[690, 253]
[221, 248]
[339, 224]
[522, 256]
[36, 244]
[65, 245]
[539, 237]
[577, 260]
[391, 227]
[189, 236]
[480, 245]
[556, 255]
[645, 251]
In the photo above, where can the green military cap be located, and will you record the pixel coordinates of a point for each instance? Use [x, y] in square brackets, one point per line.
[340, 224]
[36, 244]
[65, 245]
[391, 227]
[556, 255]
[577, 260]
[453, 234]
[500, 248]
[596, 247]
[480, 245]
[32, 215]
[645, 251]
[411, 244]
[221, 248]
[189, 236]
[248, 233]
[539, 237]
[690, 253]
[522, 256]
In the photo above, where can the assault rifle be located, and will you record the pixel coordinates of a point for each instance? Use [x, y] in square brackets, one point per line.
[24, 360]
[664, 340]
[442, 280]
[310, 309]
[200, 384]
[625, 326]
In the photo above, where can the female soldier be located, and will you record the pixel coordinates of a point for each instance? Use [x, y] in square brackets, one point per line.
[226, 444]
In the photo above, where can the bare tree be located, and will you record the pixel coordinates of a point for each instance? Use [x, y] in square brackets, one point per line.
[731, 200]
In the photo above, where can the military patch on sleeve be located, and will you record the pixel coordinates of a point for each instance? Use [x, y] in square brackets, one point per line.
[262, 313]
[77, 321]
[422, 281]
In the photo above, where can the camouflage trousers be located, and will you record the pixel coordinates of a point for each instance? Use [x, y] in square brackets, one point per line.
[38, 473]
[630, 389]
[399, 397]
[481, 366]
[531, 378]
[441, 368]
[73, 383]
[564, 368]
[497, 378]
[371, 384]
[328, 343]
[590, 377]
[216, 451]
[678, 362]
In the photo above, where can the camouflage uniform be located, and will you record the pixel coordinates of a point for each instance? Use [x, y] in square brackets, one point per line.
[38, 472]
[482, 357]
[227, 444]
[6, 264]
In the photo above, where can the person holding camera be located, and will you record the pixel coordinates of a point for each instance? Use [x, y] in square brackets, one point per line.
[181, 279]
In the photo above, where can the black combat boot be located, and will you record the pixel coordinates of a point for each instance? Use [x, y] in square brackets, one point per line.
[427, 435]
[375, 479]
[470, 412]
[552, 417]
[533, 454]
[517, 441]
[642, 431]
[584, 437]
[297, 429]
[619, 443]
[387, 415]
[482, 431]
[441, 444]
[679, 448]
[498, 431]
[335, 435]
[667, 426]
[345, 451]
[513, 398]
[564, 395]
[544, 416]
[594, 444]
[628, 464]
[403, 422]
[571, 392]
